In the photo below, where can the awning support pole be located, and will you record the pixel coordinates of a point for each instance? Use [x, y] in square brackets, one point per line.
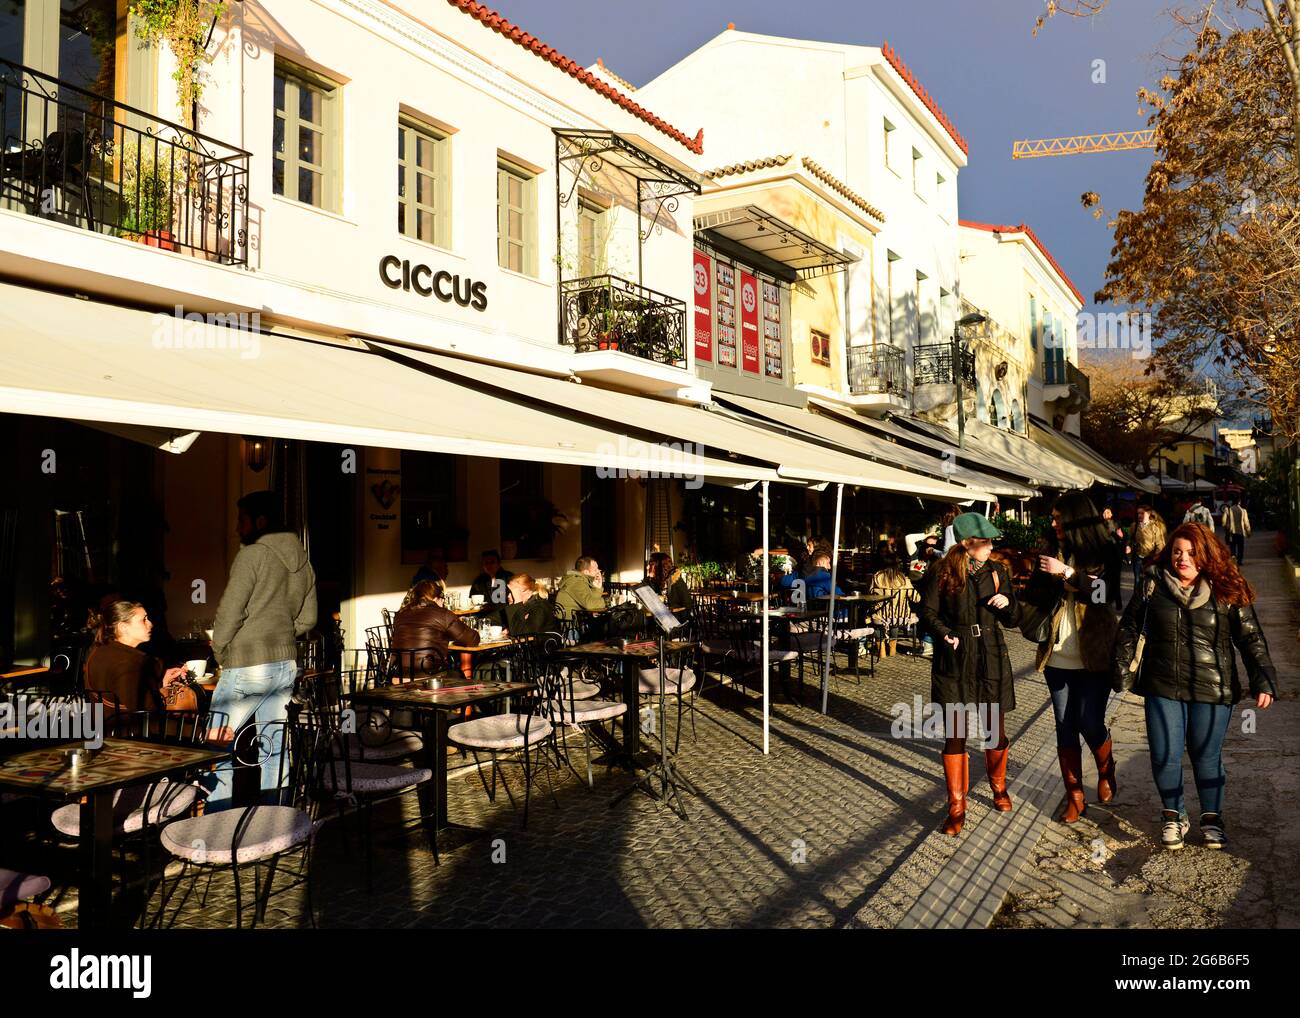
[767, 693]
[830, 619]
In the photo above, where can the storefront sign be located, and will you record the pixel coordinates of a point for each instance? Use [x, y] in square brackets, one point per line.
[400, 274]
[703, 307]
[385, 491]
[726, 316]
[748, 322]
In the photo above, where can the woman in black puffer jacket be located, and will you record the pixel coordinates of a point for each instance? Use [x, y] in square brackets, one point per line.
[1194, 607]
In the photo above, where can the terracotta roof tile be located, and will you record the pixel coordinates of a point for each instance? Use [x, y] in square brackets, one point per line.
[896, 62]
[748, 166]
[841, 188]
[1028, 232]
[491, 19]
[622, 81]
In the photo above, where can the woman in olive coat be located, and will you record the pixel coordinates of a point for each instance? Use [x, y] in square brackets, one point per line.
[967, 600]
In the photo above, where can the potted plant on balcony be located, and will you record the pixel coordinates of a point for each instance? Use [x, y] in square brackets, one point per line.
[607, 323]
[186, 26]
[147, 202]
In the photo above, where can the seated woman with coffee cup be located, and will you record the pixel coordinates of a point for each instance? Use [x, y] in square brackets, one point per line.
[422, 629]
[529, 612]
[125, 676]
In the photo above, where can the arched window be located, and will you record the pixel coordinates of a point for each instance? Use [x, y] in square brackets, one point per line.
[1017, 417]
[998, 410]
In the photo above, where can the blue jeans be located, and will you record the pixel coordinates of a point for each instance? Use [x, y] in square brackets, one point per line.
[258, 693]
[1079, 706]
[1174, 725]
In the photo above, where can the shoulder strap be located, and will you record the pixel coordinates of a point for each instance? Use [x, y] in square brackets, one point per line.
[995, 579]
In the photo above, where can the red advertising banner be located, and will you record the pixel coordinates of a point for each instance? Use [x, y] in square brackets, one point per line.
[703, 307]
[748, 322]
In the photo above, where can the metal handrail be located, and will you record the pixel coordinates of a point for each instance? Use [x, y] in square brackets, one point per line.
[610, 313]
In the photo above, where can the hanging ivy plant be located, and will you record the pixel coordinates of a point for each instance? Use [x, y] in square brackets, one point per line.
[185, 26]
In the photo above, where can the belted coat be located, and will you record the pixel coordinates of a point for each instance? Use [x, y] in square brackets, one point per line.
[979, 669]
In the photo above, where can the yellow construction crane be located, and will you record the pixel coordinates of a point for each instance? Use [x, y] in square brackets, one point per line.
[1080, 143]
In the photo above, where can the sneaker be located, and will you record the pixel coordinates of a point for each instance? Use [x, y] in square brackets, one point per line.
[1174, 828]
[1212, 830]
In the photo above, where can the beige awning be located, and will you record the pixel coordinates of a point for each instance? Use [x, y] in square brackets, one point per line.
[718, 434]
[1075, 449]
[96, 362]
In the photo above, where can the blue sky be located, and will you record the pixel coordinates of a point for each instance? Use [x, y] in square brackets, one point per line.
[977, 58]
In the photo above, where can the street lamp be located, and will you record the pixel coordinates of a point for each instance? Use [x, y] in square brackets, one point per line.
[974, 318]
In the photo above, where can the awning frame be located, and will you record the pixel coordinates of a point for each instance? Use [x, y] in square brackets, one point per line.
[825, 259]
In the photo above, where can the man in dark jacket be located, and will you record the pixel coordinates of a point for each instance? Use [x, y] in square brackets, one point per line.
[491, 583]
[269, 601]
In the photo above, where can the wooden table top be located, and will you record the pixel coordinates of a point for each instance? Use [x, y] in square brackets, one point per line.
[447, 691]
[644, 649]
[22, 672]
[118, 763]
[484, 645]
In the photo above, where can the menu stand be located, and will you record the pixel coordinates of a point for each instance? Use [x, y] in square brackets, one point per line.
[663, 782]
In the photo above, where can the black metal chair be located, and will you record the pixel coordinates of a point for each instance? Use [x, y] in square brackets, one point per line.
[62, 161]
[262, 835]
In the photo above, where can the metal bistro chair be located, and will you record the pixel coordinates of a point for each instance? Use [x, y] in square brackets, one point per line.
[526, 732]
[260, 836]
[348, 780]
[565, 696]
[62, 161]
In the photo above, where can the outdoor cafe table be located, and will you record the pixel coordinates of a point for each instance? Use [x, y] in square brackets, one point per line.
[633, 657]
[46, 772]
[467, 652]
[435, 699]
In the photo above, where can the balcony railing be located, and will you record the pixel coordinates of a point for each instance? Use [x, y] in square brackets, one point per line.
[877, 369]
[81, 158]
[932, 363]
[609, 313]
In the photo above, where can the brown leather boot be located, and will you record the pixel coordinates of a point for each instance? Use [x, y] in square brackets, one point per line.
[1072, 774]
[956, 775]
[995, 762]
[1106, 787]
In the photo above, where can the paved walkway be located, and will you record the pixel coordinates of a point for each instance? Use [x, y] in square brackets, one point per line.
[837, 827]
[1109, 870]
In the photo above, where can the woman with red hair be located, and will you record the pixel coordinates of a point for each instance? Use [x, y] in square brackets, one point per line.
[1193, 608]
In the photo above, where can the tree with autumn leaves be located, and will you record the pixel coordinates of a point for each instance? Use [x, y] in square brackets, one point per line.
[1214, 251]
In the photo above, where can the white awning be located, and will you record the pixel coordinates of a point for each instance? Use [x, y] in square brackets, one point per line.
[1045, 466]
[839, 424]
[843, 435]
[88, 361]
[717, 433]
[1078, 451]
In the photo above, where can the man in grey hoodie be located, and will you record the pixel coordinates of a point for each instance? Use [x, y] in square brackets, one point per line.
[269, 601]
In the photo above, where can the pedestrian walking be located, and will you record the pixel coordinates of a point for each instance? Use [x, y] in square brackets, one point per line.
[1114, 563]
[1236, 527]
[269, 601]
[1175, 649]
[966, 600]
[1198, 513]
[1070, 617]
[1148, 541]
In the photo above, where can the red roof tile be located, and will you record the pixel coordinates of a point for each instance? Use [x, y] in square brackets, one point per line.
[896, 62]
[491, 19]
[1025, 229]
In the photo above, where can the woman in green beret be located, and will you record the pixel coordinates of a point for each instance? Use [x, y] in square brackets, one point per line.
[967, 599]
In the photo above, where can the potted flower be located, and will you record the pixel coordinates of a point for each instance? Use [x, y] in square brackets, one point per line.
[606, 334]
[147, 203]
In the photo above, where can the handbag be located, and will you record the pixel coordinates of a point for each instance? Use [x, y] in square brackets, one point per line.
[1136, 663]
[181, 695]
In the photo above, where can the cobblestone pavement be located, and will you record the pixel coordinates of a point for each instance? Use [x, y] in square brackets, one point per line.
[837, 827]
[1109, 870]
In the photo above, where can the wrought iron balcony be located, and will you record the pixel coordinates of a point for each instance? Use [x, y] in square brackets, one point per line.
[932, 363]
[877, 369]
[81, 158]
[609, 313]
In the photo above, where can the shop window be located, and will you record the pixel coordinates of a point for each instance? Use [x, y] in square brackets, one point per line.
[430, 509]
[528, 519]
[726, 316]
[773, 348]
[516, 219]
[820, 344]
[423, 211]
[305, 160]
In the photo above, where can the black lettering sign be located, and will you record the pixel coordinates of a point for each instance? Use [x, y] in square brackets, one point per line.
[399, 274]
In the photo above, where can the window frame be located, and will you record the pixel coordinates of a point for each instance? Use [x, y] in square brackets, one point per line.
[330, 131]
[891, 143]
[410, 133]
[507, 170]
[598, 216]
